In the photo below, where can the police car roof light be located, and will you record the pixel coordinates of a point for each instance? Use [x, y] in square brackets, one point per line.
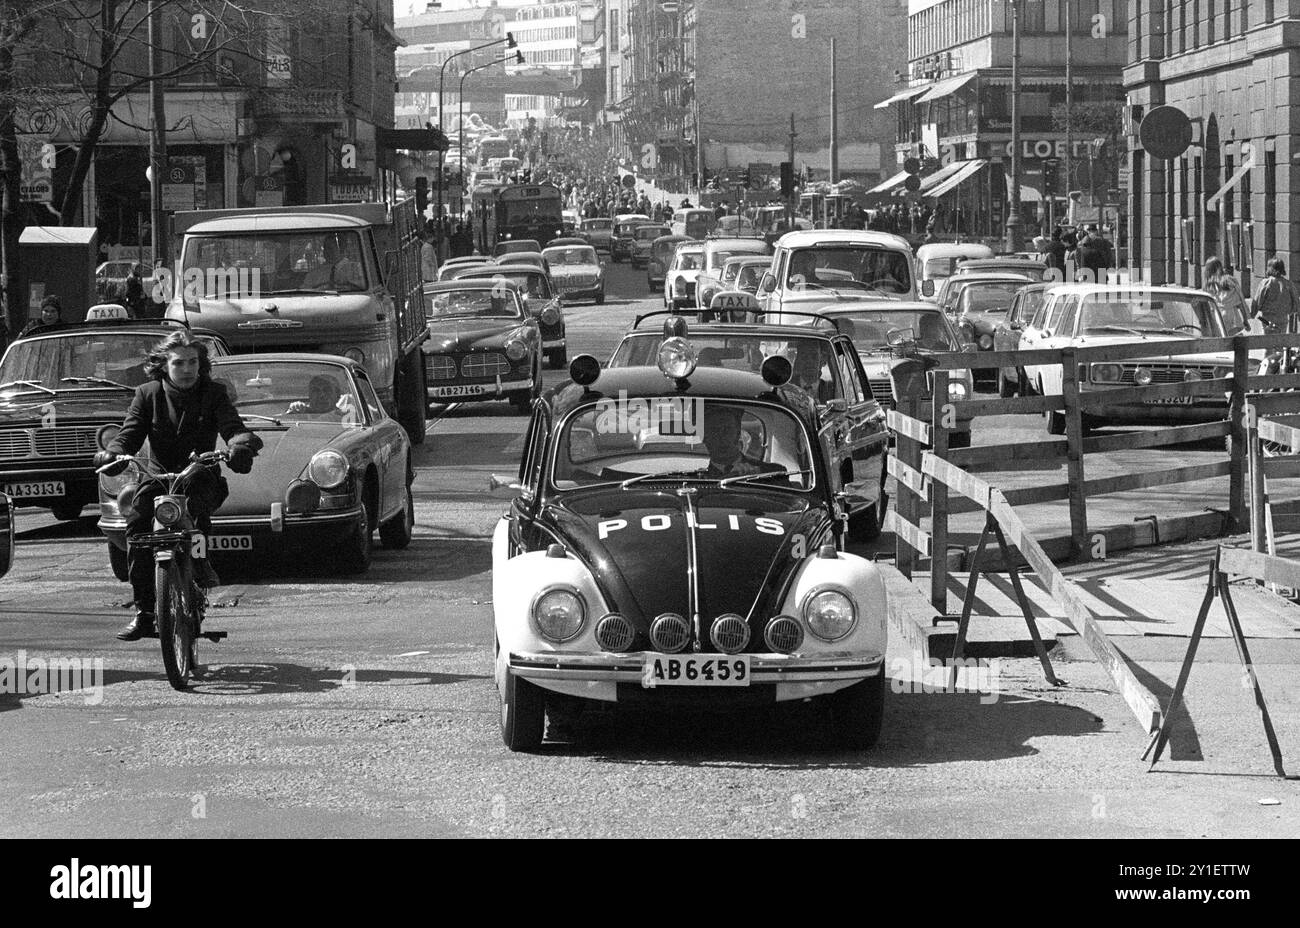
[777, 370]
[675, 327]
[584, 369]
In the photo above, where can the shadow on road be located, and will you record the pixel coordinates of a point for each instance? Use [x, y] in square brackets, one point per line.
[919, 729]
[279, 679]
[11, 700]
[426, 559]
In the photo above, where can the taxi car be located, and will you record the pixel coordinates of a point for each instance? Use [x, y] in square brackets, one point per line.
[679, 279]
[624, 231]
[812, 268]
[886, 334]
[64, 391]
[716, 252]
[483, 344]
[1006, 336]
[598, 232]
[825, 365]
[1090, 315]
[576, 272]
[661, 255]
[634, 567]
[334, 466]
[540, 299]
[643, 239]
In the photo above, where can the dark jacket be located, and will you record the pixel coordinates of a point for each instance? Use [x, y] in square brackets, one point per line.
[180, 422]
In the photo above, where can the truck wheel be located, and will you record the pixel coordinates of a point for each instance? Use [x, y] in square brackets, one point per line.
[412, 400]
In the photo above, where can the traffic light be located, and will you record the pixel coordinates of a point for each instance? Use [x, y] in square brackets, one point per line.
[787, 178]
[421, 194]
[913, 168]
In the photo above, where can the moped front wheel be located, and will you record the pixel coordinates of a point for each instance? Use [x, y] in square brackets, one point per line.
[177, 621]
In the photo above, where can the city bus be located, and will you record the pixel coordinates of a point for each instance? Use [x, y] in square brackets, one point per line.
[492, 146]
[519, 211]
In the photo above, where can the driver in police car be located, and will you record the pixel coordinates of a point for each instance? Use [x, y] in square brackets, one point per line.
[726, 456]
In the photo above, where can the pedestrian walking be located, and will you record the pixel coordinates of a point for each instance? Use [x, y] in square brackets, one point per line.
[1225, 289]
[1276, 304]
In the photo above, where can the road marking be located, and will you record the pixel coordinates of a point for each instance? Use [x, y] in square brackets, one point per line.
[413, 653]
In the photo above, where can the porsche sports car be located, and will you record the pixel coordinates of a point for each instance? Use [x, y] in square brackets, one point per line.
[64, 391]
[540, 299]
[483, 344]
[674, 539]
[334, 468]
[576, 272]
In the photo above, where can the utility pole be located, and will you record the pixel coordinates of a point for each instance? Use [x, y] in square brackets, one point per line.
[157, 142]
[1015, 242]
[790, 200]
[835, 126]
[1069, 101]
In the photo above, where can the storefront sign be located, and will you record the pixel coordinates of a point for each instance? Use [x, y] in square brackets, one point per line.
[360, 191]
[1047, 148]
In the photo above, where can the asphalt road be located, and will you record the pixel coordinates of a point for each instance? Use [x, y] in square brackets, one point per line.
[365, 706]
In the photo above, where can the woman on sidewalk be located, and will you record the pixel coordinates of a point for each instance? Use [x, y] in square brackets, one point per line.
[1225, 289]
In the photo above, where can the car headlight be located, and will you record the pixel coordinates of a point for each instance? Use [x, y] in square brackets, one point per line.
[986, 342]
[559, 613]
[956, 390]
[105, 436]
[679, 286]
[829, 614]
[550, 315]
[1107, 373]
[355, 354]
[677, 358]
[1142, 376]
[328, 469]
[167, 511]
[516, 349]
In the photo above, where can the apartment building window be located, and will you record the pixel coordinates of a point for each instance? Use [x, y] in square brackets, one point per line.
[1031, 18]
[1211, 22]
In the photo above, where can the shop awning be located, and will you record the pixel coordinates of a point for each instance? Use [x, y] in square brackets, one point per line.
[1028, 192]
[907, 94]
[968, 170]
[930, 181]
[947, 86]
[888, 185]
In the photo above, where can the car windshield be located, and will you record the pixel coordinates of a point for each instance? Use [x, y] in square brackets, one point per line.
[611, 442]
[664, 250]
[858, 267]
[648, 233]
[814, 368]
[495, 302]
[598, 225]
[989, 297]
[266, 263]
[519, 245]
[1165, 313]
[935, 268]
[687, 260]
[575, 254]
[291, 391]
[531, 283]
[871, 329]
[118, 357]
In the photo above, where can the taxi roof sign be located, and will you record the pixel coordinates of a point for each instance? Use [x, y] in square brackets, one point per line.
[102, 311]
[738, 300]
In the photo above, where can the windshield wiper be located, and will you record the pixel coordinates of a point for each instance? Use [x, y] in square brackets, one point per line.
[1115, 328]
[728, 481]
[697, 475]
[29, 383]
[253, 415]
[97, 380]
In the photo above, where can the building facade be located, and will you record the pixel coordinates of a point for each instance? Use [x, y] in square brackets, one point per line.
[952, 110]
[1230, 68]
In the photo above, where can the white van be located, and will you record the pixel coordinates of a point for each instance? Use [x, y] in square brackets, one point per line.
[819, 267]
[936, 261]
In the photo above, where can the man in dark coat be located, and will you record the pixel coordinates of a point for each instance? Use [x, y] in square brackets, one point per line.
[180, 411]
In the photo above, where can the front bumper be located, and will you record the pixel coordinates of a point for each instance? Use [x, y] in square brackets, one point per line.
[79, 482]
[773, 677]
[275, 529]
[581, 293]
[1147, 413]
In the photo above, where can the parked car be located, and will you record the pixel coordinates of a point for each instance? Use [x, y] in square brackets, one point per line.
[540, 299]
[513, 246]
[1089, 315]
[662, 250]
[335, 465]
[809, 268]
[935, 262]
[599, 233]
[679, 279]
[826, 366]
[64, 391]
[483, 344]
[716, 252]
[577, 272]
[625, 569]
[643, 238]
[1006, 336]
[888, 333]
[624, 230]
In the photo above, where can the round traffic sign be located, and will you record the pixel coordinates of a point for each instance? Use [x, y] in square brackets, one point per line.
[629, 181]
[1165, 132]
[912, 166]
[912, 182]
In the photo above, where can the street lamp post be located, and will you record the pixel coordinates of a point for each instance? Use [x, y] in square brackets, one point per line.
[1015, 240]
[517, 58]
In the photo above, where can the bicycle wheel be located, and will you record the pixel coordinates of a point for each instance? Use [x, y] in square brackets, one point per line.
[176, 621]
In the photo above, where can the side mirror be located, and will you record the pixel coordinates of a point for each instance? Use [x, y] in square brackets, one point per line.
[767, 284]
[498, 482]
[836, 405]
[927, 287]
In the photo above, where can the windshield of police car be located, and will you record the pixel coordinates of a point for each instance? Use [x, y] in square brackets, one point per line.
[114, 356]
[1171, 314]
[619, 439]
[266, 263]
[498, 302]
[848, 266]
[292, 391]
[928, 327]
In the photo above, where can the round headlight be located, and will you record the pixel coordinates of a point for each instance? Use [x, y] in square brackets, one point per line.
[829, 614]
[986, 342]
[515, 349]
[1107, 373]
[167, 511]
[328, 469]
[1142, 376]
[355, 354]
[550, 315]
[956, 390]
[1191, 374]
[559, 614]
[677, 358]
[105, 435]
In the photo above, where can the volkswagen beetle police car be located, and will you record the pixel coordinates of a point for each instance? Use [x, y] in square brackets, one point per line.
[674, 539]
